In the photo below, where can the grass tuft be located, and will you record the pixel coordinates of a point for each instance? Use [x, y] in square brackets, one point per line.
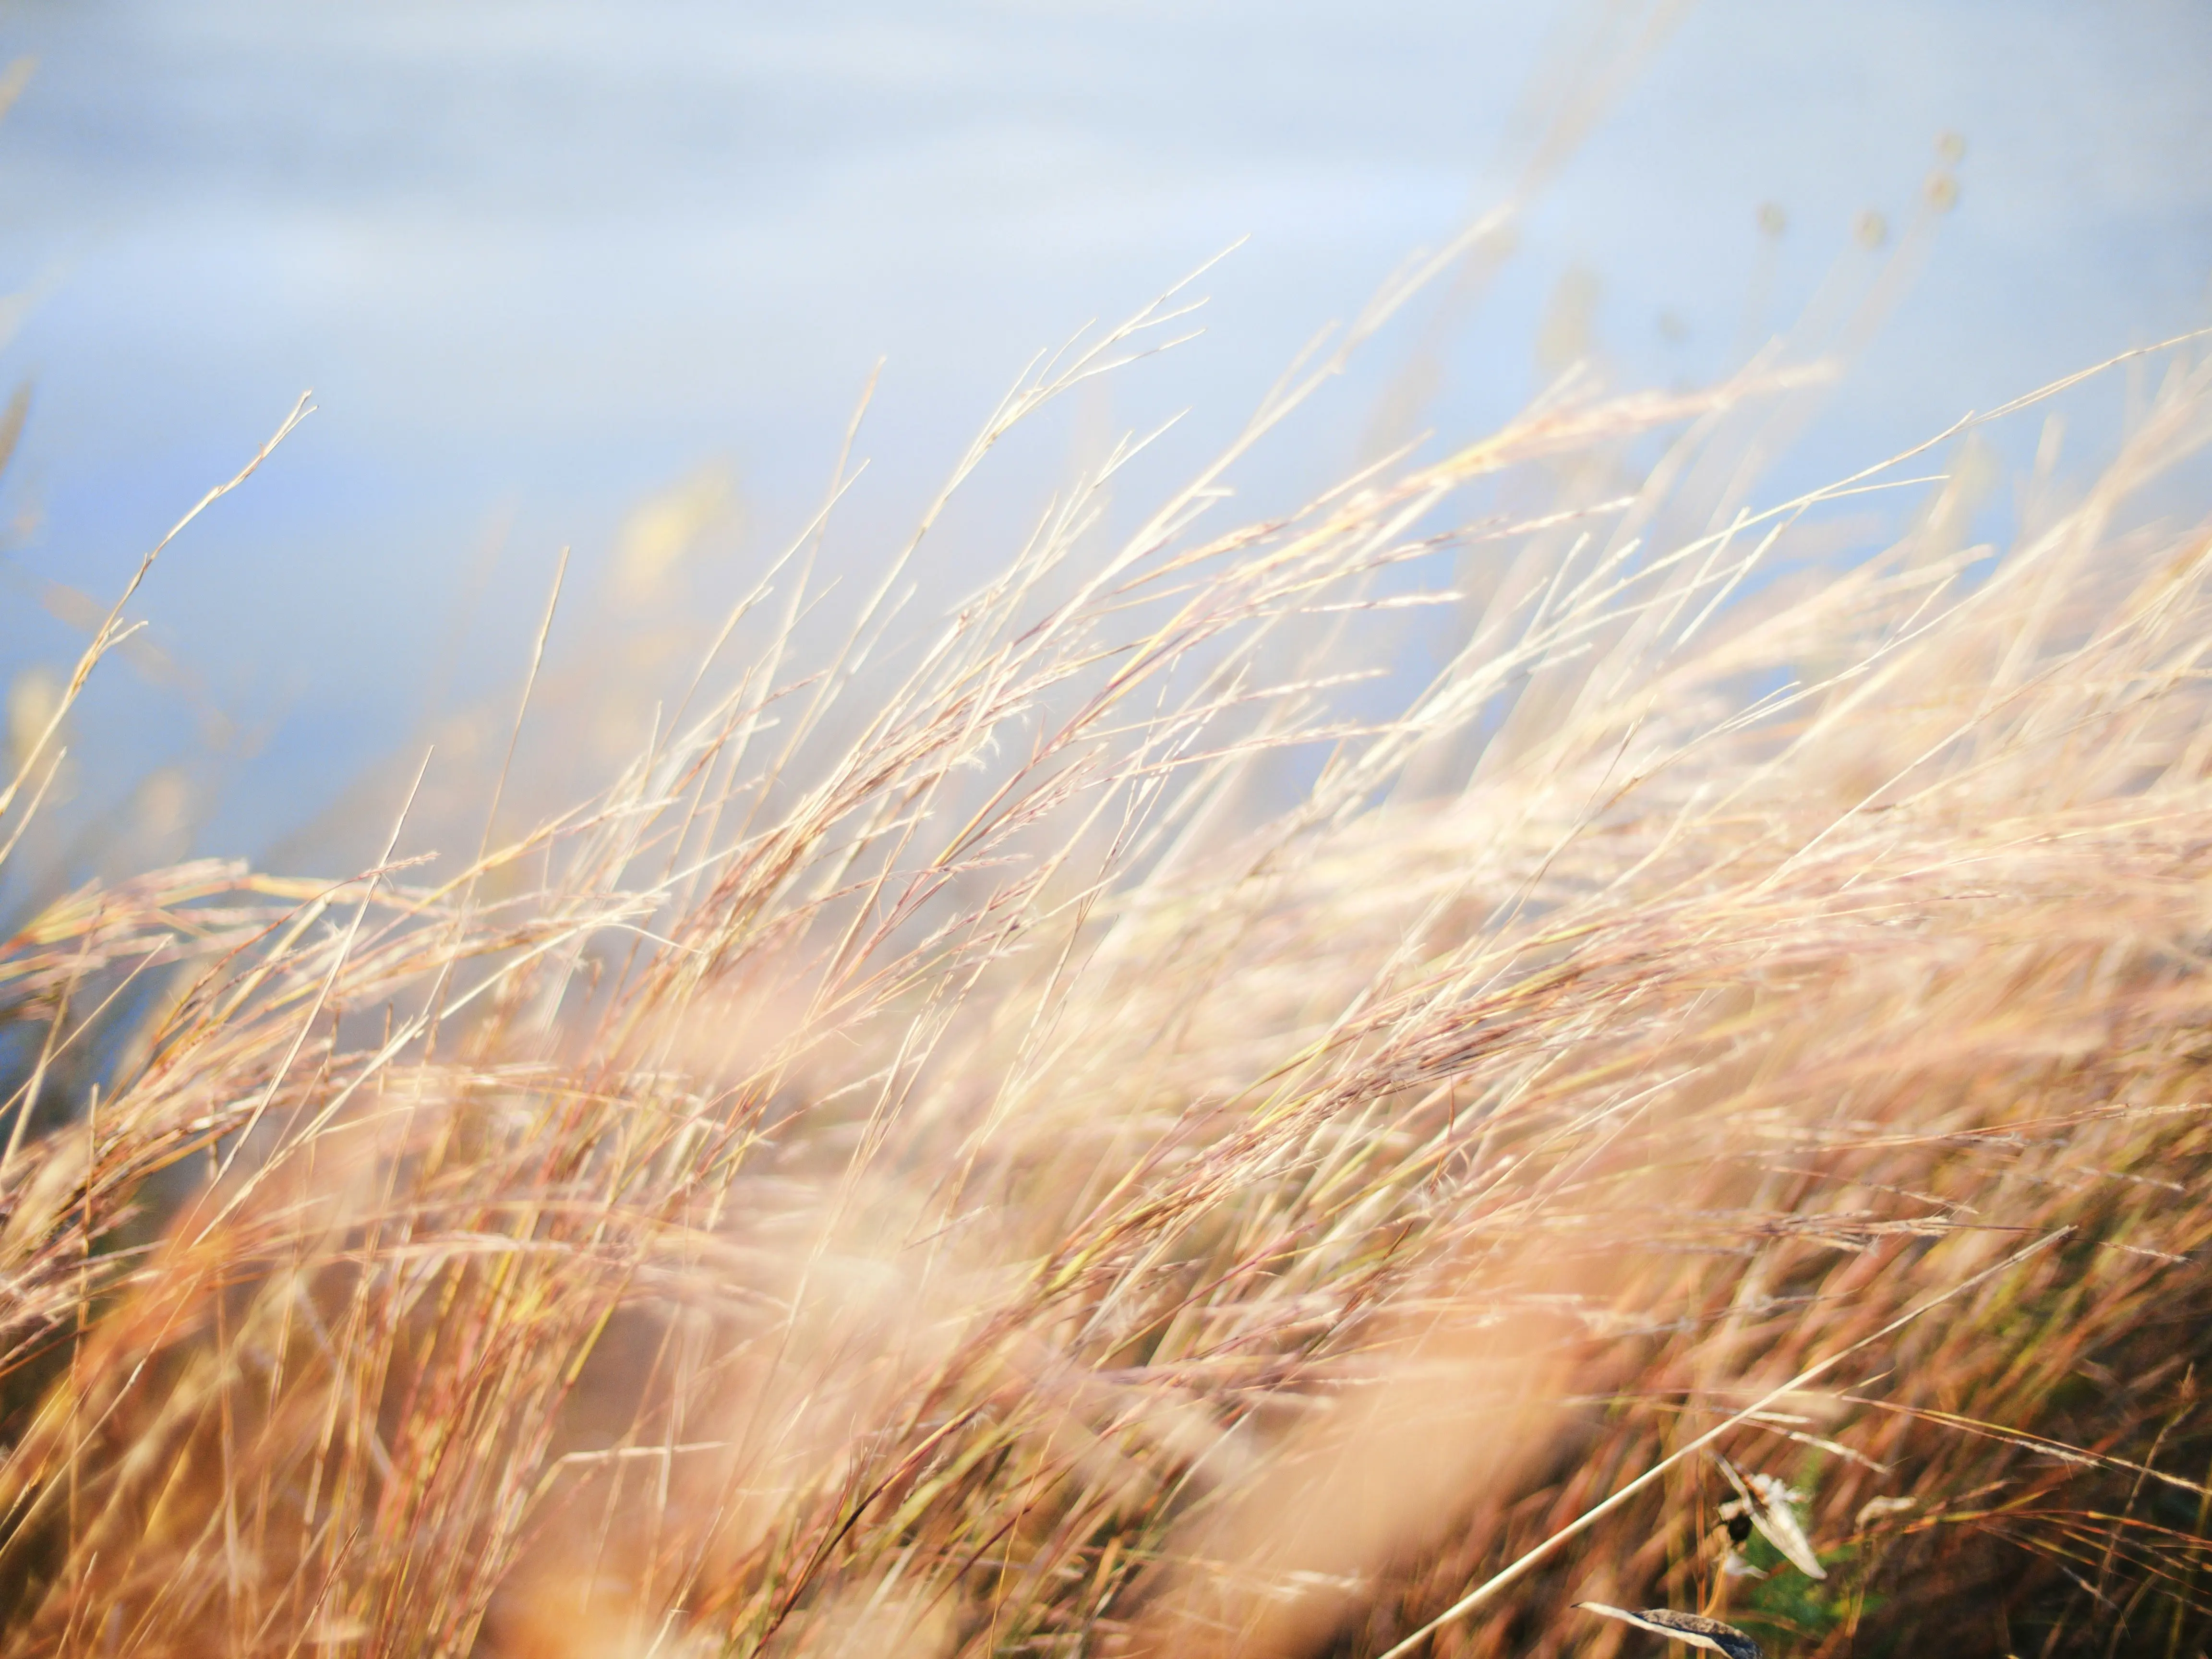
[1138, 1124]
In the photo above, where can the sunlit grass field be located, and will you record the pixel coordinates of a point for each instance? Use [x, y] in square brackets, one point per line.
[1547, 1027]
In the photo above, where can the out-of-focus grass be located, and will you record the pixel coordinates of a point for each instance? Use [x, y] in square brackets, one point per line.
[1092, 1138]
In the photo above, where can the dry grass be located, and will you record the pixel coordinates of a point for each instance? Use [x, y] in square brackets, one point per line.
[1094, 1141]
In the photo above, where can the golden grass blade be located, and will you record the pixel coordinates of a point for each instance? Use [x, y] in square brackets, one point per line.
[1694, 1629]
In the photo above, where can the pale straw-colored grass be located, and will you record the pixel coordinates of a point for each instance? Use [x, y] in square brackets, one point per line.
[1071, 1132]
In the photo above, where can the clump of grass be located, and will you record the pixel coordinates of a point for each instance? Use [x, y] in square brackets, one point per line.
[1094, 1142]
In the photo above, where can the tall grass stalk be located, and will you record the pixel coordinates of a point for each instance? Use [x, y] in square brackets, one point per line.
[1140, 1124]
